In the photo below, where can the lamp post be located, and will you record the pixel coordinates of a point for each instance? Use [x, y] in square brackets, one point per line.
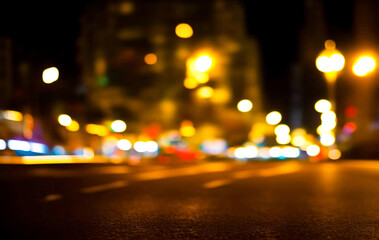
[330, 61]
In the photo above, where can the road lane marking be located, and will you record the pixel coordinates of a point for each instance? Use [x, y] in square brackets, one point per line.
[104, 187]
[270, 172]
[217, 183]
[51, 172]
[188, 171]
[52, 197]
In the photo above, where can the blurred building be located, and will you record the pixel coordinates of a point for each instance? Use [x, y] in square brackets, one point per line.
[5, 71]
[117, 37]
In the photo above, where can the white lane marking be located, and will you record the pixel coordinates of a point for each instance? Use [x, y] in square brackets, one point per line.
[270, 172]
[63, 173]
[188, 171]
[52, 197]
[217, 183]
[104, 187]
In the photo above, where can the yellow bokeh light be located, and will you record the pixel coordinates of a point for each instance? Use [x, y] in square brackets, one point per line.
[364, 66]
[298, 141]
[118, 126]
[64, 120]
[299, 131]
[328, 125]
[12, 115]
[330, 44]
[334, 154]
[190, 83]
[124, 144]
[273, 118]
[331, 63]
[95, 129]
[151, 59]
[187, 129]
[50, 75]
[184, 30]
[205, 92]
[244, 105]
[203, 63]
[330, 59]
[328, 116]
[327, 139]
[201, 77]
[313, 150]
[283, 139]
[282, 129]
[323, 105]
[73, 127]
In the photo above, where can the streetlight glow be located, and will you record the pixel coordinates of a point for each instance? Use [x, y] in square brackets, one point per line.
[50, 75]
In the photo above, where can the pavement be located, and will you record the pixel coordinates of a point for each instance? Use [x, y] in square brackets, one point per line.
[205, 200]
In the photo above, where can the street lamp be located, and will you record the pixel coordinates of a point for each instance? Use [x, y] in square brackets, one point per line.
[330, 61]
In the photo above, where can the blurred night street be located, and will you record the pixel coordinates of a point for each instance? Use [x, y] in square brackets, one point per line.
[208, 200]
[189, 119]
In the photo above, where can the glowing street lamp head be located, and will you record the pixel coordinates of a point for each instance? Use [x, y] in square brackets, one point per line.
[50, 75]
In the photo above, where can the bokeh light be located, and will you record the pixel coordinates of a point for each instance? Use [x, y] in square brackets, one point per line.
[244, 105]
[124, 144]
[184, 30]
[273, 118]
[313, 150]
[118, 126]
[190, 83]
[282, 129]
[73, 127]
[203, 63]
[283, 139]
[363, 66]
[322, 106]
[327, 139]
[50, 75]
[205, 92]
[64, 120]
[334, 154]
[151, 59]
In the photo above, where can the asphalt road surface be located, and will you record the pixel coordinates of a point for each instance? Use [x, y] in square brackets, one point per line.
[208, 200]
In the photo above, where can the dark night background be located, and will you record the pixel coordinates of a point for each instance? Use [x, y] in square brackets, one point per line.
[47, 33]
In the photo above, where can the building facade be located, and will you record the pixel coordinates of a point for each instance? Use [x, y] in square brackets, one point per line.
[118, 35]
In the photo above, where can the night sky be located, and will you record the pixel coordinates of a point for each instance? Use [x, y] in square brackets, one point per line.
[49, 33]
